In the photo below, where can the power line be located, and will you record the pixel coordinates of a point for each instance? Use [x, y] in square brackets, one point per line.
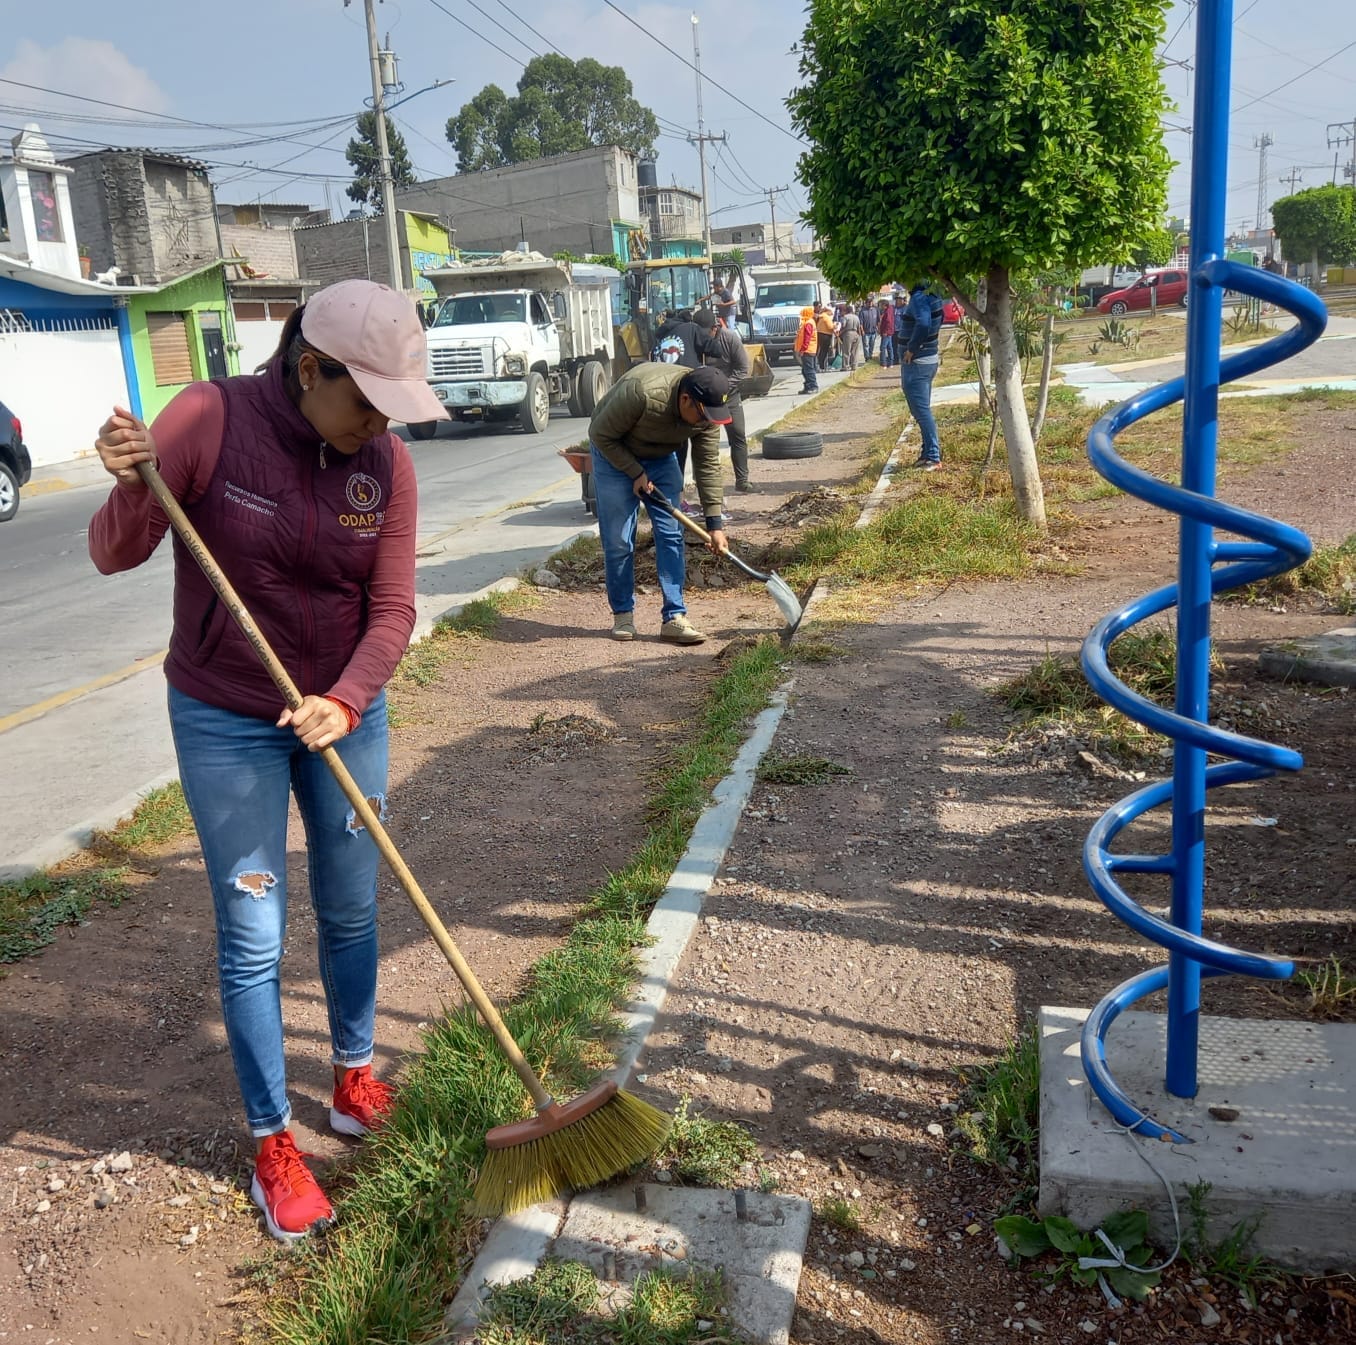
[513, 37]
[635, 23]
[507, 9]
[1295, 78]
[475, 32]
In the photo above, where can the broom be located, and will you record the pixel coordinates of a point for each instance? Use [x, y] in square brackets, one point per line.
[566, 1145]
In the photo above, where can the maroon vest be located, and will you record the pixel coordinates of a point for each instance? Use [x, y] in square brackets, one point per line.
[294, 526]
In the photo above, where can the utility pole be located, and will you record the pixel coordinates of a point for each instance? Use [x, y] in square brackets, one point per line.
[1292, 177]
[1343, 133]
[1263, 143]
[701, 139]
[385, 178]
[772, 193]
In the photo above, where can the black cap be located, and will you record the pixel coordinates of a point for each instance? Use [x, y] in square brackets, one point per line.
[705, 319]
[710, 389]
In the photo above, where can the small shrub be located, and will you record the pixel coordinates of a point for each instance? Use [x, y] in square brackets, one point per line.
[840, 1213]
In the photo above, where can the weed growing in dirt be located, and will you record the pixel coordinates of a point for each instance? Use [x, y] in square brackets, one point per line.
[1054, 691]
[1329, 575]
[840, 1213]
[1228, 1259]
[382, 1273]
[799, 770]
[34, 908]
[423, 662]
[816, 649]
[1332, 989]
[706, 1153]
[1127, 1229]
[999, 1116]
[956, 720]
[560, 1304]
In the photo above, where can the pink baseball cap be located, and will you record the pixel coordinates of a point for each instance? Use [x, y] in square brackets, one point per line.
[376, 334]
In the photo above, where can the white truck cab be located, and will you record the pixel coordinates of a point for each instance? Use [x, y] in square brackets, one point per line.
[515, 335]
[780, 291]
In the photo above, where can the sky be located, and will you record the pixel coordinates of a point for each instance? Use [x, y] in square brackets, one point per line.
[280, 80]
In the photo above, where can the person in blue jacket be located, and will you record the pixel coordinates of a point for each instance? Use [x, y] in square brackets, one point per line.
[917, 328]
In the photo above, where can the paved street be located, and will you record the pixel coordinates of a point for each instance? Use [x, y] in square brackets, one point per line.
[79, 746]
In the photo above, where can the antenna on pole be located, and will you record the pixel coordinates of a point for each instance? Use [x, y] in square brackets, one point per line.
[1262, 144]
[701, 139]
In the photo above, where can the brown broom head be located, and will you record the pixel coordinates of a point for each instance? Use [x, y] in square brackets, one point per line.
[569, 1146]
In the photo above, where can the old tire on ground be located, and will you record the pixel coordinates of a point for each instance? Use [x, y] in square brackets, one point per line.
[793, 444]
[423, 429]
[535, 411]
[9, 493]
[593, 386]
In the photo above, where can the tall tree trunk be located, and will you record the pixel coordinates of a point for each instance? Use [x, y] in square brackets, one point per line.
[1047, 364]
[1007, 378]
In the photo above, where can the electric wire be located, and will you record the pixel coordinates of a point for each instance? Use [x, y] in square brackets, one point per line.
[475, 32]
[508, 10]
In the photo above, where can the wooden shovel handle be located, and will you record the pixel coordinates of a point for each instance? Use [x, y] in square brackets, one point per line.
[188, 534]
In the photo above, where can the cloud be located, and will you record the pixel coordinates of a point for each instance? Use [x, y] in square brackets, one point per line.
[81, 65]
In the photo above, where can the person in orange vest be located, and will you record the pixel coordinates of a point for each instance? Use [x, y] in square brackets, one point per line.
[828, 330]
[807, 342]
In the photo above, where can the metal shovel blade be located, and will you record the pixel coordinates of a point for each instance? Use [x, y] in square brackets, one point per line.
[780, 592]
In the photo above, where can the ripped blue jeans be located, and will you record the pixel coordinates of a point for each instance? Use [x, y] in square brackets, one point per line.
[237, 773]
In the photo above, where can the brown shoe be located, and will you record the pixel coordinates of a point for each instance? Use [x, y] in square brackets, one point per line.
[623, 625]
[680, 630]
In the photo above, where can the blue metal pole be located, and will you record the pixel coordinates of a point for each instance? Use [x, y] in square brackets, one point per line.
[1209, 176]
[129, 360]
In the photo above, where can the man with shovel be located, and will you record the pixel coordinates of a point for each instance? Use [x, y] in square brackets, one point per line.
[635, 432]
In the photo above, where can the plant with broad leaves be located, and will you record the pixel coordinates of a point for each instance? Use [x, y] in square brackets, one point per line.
[1127, 1232]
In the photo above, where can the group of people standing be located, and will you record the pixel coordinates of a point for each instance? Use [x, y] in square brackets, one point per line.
[908, 326]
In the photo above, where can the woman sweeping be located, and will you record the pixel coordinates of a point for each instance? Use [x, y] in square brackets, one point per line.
[308, 503]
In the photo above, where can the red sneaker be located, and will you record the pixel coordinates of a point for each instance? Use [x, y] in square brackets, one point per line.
[361, 1103]
[283, 1187]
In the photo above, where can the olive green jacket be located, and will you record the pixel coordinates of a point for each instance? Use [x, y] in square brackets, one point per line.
[638, 418]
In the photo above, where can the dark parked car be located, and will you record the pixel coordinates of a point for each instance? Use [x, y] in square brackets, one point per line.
[15, 465]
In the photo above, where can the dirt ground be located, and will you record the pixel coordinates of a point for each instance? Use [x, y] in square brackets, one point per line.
[867, 938]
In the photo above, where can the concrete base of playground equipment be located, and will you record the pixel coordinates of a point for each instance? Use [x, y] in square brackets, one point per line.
[1273, 1127]
[1329, 658]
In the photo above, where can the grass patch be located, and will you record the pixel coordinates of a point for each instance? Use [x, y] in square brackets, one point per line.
[560, 1304]
[706, 1153]
[1054, 691]
[999, 1117]
[384, 1272]
[476, 620]
[840, 1213]
[800, 769]
[162, 815]
[1329, 576]
[1229, 1259]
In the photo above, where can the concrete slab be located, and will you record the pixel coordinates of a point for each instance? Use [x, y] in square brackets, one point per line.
[1273, 1129]
[1329, 659]
[759, 1255]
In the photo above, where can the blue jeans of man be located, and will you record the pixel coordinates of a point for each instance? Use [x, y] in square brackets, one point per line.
[619, 512]
[916, 380]
[869, 343]
[809, 371]
[237, 773]
[887, 350]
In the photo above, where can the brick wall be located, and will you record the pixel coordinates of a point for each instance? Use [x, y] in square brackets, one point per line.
[271, 252]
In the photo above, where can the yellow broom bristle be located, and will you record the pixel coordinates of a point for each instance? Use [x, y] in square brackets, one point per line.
[624, 1131]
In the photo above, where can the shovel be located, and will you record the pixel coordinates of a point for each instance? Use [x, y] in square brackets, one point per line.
[778, 589]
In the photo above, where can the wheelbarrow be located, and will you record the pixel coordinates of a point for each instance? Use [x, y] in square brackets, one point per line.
[582, 462]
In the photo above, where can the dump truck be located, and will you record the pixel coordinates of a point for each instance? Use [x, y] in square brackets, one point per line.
[515, 335]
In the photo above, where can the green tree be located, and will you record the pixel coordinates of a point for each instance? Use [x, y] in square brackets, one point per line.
[1032, 142]
[364, 160]
[561, 106]
[1156, 248]
[1318, 223]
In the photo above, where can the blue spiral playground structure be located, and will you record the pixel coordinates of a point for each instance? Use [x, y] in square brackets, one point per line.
[1205, 567]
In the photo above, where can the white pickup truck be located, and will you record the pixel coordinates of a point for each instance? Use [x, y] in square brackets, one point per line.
[517, 334]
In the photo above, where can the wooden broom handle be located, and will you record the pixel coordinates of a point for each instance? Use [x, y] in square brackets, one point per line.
[188, 534]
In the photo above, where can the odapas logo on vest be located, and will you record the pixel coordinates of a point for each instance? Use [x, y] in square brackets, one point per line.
[363, 492]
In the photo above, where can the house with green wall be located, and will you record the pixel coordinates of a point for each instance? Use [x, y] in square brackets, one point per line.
[181, 332]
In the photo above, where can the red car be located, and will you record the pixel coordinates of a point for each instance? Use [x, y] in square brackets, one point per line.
[952, 313]
[1171, 286]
